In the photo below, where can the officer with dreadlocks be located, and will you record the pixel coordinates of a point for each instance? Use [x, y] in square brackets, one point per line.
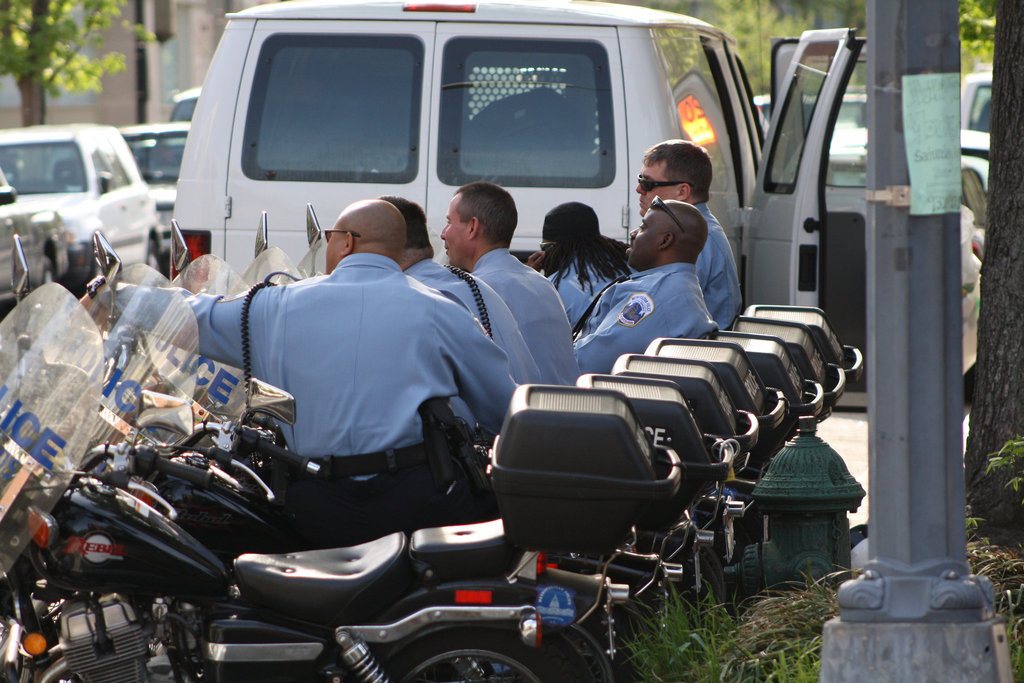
[577, 259]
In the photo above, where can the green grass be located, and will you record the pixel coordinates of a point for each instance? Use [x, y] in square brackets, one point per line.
[777, 637]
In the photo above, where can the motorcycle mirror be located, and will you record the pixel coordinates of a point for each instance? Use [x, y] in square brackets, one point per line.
[261, 235]
[19, 270]
[313, 232]
[106, 258]
[180, 256]
[164, 412]
[268, 399]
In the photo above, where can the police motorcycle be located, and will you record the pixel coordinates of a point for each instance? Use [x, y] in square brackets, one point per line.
[104, 582]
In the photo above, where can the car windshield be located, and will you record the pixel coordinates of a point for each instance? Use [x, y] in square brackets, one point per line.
[158, 155]
[43, 167]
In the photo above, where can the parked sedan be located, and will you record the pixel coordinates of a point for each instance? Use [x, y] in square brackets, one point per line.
[41, 234]
[86, 173]
[158, 148]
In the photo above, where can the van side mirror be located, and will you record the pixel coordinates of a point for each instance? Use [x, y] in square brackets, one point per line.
[8, 195]
[106, 180]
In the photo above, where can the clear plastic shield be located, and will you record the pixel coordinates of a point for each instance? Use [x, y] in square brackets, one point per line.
[272, 260]
[51, 362]
[210, 274]
[150, 337]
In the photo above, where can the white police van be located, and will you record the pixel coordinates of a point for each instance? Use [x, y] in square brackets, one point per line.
[329, 102]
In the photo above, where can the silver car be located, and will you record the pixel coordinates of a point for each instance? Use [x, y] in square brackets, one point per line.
[88, 175]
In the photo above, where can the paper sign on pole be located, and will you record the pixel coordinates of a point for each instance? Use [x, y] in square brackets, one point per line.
[931, 128]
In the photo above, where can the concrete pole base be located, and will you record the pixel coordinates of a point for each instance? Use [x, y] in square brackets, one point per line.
[875, 652]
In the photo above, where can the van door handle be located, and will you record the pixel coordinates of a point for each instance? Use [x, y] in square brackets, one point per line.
[812, 225]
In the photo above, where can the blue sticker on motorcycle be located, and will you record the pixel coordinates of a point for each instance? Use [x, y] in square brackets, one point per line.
[555, 605]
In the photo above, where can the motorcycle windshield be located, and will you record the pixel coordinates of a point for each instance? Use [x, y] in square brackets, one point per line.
[149, 342]
[219, 388]
[272, 260]
[51, 365]
[210, 274]
[315, 261]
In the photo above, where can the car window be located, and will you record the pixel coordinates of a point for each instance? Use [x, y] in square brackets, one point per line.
[847, 157]
[341, 108]
[106, 161]
[526, 113]
[183, 109]
[797, 111]
[43, 168]
[980, 107]
[158, 155]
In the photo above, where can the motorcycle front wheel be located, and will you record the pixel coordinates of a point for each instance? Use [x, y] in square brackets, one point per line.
[486, 656]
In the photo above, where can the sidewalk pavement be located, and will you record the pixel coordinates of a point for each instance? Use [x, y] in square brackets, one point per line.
[847, 433]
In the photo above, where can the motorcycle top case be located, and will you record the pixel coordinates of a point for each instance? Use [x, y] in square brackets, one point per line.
[573, 469]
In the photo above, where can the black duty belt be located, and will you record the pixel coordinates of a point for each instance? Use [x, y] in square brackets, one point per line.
[389, 461]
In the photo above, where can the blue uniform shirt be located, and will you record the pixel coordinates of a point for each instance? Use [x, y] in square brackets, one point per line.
[503, 325]
[575, 297]
[716, 270]
[661, 302]
[538, 310]
[360, 349]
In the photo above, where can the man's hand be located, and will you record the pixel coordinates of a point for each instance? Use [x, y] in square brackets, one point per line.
[535, 260]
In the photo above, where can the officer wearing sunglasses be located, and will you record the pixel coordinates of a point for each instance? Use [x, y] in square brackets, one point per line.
[681, 170]
[662, 300]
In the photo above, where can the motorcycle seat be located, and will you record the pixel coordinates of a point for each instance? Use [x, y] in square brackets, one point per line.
[333, 586]
[451, 553]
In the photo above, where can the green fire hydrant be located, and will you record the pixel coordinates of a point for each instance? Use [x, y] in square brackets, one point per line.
[804, 495]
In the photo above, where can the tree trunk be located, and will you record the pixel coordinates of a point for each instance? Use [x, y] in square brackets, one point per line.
[32, 101]
[998, 411]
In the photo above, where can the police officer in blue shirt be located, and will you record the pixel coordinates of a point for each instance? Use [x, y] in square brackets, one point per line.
[477, 296]
[361, 349]
[662, 300]
[681, 170]
[577, 259]
[481, 219]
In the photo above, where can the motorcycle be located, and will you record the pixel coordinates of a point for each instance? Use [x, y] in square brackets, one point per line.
[102, 580]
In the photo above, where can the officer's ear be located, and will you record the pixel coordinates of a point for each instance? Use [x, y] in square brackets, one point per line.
[474, 228]
[666, 239]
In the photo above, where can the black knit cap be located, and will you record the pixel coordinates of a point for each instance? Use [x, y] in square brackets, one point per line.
[571, 219]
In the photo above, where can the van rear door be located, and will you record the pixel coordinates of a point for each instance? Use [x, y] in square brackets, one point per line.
[331, 111]
[804, 231]
[535, 108]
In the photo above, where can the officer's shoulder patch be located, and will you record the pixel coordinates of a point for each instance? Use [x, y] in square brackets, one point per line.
[639, 306]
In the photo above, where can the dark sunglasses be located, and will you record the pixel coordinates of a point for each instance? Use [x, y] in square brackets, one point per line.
[646, 184]
[658, 203]
[328, 231]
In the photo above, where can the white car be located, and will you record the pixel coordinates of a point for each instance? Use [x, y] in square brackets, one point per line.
[88, 175]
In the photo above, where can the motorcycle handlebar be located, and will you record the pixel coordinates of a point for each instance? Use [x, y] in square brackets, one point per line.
[147, 461]
[252, 439]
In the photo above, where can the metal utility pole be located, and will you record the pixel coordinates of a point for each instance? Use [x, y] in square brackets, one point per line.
[916, 613]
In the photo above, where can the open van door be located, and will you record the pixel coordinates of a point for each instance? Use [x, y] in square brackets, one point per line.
[804, 229]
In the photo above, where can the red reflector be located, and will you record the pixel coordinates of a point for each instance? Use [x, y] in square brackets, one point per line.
[198, 242]
[467, 597]
[437, 7]
[542, 563]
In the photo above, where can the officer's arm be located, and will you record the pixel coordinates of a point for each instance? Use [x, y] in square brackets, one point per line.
[220, 334]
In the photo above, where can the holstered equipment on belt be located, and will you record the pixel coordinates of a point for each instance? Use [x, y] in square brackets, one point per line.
[448, 440]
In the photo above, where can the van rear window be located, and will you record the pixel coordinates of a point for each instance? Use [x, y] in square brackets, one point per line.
[338, 108]
[526, 113]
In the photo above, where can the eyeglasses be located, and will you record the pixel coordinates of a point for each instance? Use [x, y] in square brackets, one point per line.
[328, 231]
[646, 184]
[544, 246]
[659, 203]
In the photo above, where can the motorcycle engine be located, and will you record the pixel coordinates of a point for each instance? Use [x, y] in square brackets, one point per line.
[104, 644]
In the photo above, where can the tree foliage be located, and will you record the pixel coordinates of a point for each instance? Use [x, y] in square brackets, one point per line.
[50, 46]
[977, 30]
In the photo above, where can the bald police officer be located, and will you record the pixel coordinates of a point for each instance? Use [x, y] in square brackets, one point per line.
[361, 349]
[481, 220]
[662, 300]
